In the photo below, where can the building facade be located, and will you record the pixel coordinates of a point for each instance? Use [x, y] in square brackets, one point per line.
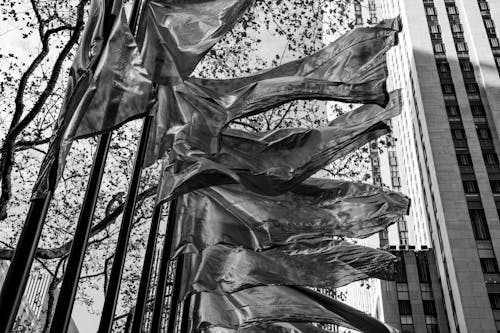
[447, 65]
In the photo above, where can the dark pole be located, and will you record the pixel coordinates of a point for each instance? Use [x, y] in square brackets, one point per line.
[147, 268]
[112, 293]
[156, 322]
[66, 299]
[20, 265]
[186, 310]
[69, 286]
[175, 297]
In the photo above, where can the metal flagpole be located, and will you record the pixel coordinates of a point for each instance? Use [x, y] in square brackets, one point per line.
[146, 272]
[175, 297]
[156, 322]
[20, 266]
[66, 299]
[186, 311]
[115, 277]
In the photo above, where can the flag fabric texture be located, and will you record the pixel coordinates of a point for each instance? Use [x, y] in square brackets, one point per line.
[177, 34]
[274, 162]
[271, 328]
[112, 89]
[191, 115]
[231, 214]
[270, 304]
[318, 263]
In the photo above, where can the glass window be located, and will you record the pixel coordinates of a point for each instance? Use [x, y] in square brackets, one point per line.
[424, 274]
[451, 10]
[489, 265]
[479, 224]
[435, 28]
[472, 88]
[484, 133]
[466, 66]
[461, 46]
[497, 61]
[429, 308]
[405, 328]
[490, 158]
[483, 5]
[400, 269]
[456, 27]
[458, 134]
[489, 23]
[452, 110]
[438, 47]
[430, 11]
[464, 159]
[495, 186]
[495, 301]
[470, 186]
[432, 328]
[404, 307]
[494, 42]
[477, 110]
[448, 88]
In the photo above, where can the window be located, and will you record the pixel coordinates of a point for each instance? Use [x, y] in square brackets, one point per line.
[490, 158]
[400, 275]
[494, 42]
[429, 308]
[451, 10]
[483, 133]
[461, 46]
[477, 110]
[448, 88]
[488, 23]
[438, 48]
[495, 186]
[470, 186]
[405, 328]
[472, 88]
[452, 110]
[464, 159]
[435, 28]
[458, 134]
[424, 276]
[466, 66]
[483, 5]
[456, 28]
[497, 61]
[495, 301]
[404, 307]
[489, 265]
[432, 328]
[392, 158]
[443, 67]
[479, 224]
[430, 11]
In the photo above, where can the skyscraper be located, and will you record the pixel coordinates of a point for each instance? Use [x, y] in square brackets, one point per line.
[447, 146]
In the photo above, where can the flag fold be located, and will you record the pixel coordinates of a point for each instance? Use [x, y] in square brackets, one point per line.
[317, 208]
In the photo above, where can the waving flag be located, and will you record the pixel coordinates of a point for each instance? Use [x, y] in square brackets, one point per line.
[317, 208]
[270, 304]
[310, 262]
[116, 90]
[177, 34]
[271, 328]
[272, 163]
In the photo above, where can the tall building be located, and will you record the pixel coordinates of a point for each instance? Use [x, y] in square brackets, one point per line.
[447, 64]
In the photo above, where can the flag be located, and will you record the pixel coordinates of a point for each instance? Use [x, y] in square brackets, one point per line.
[270, 304]
[118, 89]
[177, 34]
[271, 328]
[321, 263]
[272, 163]
[192, 115]
[317, 208]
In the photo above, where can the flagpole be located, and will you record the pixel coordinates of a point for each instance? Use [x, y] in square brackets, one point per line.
[69, 286]
[186, 311]
[175, 295]
[156, 323]
[108, 311]
[142, 293]
[20, 265]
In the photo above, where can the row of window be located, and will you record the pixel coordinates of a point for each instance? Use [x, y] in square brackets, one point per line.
[489, 25]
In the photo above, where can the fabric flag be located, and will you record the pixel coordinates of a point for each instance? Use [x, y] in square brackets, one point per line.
[317, 208]
[105, 95]
[274, 162]
[321, 263]
[191, 115]
[270, 304]
[271, 328]
[177, 34]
